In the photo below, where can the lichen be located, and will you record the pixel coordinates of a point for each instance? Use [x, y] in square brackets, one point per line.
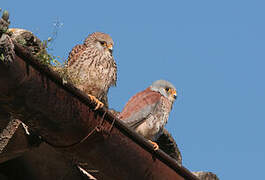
[22, 41]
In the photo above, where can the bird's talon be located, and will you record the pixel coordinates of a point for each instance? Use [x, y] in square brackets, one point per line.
[98, 103]
[155, 145]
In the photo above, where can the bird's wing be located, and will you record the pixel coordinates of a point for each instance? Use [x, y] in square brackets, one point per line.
[75, 53]
[140, 107]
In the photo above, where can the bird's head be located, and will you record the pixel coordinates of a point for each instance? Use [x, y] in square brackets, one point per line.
[102, 41]
[165, 88]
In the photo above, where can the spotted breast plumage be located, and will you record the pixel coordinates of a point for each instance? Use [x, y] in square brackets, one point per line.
[92, 68]
[147, 112]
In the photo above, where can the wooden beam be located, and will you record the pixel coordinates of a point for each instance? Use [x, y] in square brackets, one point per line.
[14, 140]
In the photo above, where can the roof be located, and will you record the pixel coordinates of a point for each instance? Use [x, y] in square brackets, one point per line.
[64, 117]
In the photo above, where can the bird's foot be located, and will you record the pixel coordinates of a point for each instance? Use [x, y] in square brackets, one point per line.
[98, 103]
[155, 145]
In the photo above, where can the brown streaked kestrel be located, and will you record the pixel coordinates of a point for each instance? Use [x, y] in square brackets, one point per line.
[147, 112]
[92, 68]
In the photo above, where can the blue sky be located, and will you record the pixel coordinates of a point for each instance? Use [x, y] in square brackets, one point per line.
[212, 51]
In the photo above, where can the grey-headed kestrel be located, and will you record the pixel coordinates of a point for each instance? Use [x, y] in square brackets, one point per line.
[92, 68]
[147, 112]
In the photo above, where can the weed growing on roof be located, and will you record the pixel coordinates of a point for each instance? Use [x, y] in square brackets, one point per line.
[43, 55]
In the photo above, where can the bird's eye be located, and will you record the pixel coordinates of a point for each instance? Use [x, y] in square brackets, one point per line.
[103, 43]
[167, 89]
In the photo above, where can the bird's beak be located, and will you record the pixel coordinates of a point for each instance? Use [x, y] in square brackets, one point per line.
[110, 47]
[173, 92]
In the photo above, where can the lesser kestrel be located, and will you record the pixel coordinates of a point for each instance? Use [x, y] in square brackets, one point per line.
[92, 68]
[147, 112]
